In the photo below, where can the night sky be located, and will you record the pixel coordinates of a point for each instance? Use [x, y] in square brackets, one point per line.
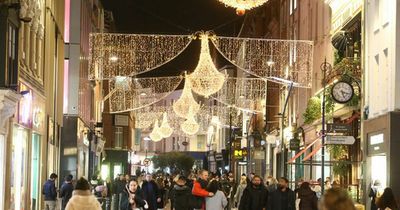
[175, 17]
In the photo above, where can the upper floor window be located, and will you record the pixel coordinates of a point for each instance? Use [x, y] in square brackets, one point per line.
[119, 137]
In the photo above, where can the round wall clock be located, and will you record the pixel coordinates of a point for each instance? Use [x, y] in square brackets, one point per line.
[342, 92]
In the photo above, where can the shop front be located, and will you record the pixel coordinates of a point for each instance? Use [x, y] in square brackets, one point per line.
[381, 140]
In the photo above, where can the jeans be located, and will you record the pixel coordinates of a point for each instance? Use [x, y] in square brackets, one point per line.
[50, 205]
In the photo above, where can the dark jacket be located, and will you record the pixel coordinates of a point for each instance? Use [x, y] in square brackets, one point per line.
[151, 193]
[124, 201]
[49, 191]
[66, 193]
[181, 197]
[254, 198]
[276, 202]
[308, 199]
[118, 186]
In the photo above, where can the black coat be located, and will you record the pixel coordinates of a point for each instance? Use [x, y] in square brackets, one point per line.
[180, 196]
[308, 199]
[66, 193]
[275, 200]
[254, 198]
[124, 201]
[152, 195]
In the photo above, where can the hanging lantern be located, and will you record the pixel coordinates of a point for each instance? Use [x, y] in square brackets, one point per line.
[206, 79]
[165, 130]
[182, 105]
[155, 133]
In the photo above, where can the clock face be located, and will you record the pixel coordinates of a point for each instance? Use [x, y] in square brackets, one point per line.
[342, 92]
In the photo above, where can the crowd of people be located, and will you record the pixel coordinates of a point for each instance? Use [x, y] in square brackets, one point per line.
[202, 191]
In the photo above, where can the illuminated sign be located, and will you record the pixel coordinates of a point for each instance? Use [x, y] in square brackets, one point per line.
[345, 12]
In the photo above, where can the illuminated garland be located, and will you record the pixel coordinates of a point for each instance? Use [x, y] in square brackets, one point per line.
[127, 94]
[112, 55]
[275, 60]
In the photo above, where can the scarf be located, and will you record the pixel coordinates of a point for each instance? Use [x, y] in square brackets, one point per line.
[203, 183]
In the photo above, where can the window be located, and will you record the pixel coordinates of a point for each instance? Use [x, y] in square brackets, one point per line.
[173, 143]
[177, 144]
[293, 6]
[119, 137]
[12, 63]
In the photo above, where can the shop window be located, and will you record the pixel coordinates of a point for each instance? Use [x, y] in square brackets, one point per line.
[119, 137]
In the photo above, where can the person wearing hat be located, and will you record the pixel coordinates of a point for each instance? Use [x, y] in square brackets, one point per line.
[66, 191]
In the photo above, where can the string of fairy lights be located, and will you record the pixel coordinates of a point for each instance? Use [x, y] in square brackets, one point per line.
[208, 96]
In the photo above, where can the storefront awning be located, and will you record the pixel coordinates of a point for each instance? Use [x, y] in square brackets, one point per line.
[303, 151]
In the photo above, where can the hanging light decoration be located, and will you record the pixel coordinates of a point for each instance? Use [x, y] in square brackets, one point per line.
[190, 126]
[155, 133]
[165, 130]
[206, 79]
[243, 5]
[182, 105]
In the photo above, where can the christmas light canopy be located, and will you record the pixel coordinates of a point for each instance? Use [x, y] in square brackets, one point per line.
[155, 133]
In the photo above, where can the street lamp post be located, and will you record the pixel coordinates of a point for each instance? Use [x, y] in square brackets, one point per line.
[324, 67]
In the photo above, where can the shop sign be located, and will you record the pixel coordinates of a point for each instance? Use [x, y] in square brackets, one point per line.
[218, 157]
[121, 120]
[347, 140]
[237, 144]
[336, 128]
[345, 13]
[376, 144]
[242, 163]
[294, 144]
[25, 106]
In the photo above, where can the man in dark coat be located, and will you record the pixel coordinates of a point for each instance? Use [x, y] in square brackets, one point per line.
[50, 192]
[181, 194]
[283, 198]
[66, 191]
[255, 196]
[151, 192]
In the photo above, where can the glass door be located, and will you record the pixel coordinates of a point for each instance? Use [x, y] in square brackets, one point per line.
[35, 170]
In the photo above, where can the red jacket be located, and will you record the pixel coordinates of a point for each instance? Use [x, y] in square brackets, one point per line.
[198, 191]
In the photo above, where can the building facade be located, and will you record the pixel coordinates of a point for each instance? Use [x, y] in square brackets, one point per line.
[79, 152]
[382, 95]
[34, 69]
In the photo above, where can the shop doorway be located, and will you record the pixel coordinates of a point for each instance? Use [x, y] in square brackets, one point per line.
[35, 170]
[379, 171]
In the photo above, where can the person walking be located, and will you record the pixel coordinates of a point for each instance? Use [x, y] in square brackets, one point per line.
[308, 198]
[255, 195]
[283, 198]
[387, 200]
[162, 193]
[50, 192]
[180, 194]
[373, 194]
[218, 201]
[132, 197]
[199, 190]
[239, 190]
[150, 192]
[66, 191]
[337, 199]
[118, 187]
[82, 198]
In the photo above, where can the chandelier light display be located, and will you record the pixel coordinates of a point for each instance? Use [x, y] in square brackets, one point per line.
[190, 126]
[155, 133]
[274, 60]
[112, 54]
[165, 130]
[206, 79]
[186, 101]
[243, 5]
